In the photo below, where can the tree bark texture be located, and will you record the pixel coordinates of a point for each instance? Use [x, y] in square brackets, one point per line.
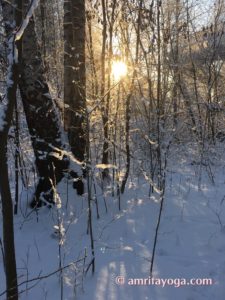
[7, 206]
[6, 198]
[41, 113]
[74, 75]
[42, 117]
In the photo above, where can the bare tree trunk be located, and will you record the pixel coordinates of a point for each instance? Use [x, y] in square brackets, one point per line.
[105, 120]
[74, 75]
[95, 84]
[43, 34]
[128, 100]
[7, 206]
[6, 116]
[42, 117]
[41, 114]
[200, 132]
[176, 64]
[160, 106]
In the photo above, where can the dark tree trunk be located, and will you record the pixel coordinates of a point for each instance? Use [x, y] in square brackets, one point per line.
[105, 108]
[8, 228]
[43, 33]
[41, 113]
[74, 75]
[128, 101]
[42, 118]
[14, 19]
[7, 206]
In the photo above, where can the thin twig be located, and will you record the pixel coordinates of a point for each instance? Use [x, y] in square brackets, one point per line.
[39, 277]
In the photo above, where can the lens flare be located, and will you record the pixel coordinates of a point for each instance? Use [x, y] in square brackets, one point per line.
[119, 70]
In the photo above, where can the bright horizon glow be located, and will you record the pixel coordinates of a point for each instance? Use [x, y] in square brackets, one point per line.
[119, 69]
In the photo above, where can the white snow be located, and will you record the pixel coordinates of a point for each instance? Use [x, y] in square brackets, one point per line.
[191, 240]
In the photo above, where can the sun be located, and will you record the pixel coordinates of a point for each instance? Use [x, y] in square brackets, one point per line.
[119, 69]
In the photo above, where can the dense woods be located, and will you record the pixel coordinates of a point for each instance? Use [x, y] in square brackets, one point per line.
[95, 94]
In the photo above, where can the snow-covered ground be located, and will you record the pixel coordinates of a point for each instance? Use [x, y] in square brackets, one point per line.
[191, 241]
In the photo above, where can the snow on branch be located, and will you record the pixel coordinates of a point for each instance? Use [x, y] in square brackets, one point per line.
[25, 22]
[12, 57]
[13, 60]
